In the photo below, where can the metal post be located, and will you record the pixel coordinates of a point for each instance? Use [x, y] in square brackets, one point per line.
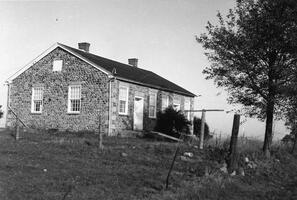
[202, 129]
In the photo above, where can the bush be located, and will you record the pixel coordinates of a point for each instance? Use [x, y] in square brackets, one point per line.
[197, 129]
[172, 122]
[288, 138]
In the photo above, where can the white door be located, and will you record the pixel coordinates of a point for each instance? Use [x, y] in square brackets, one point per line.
[138, 113]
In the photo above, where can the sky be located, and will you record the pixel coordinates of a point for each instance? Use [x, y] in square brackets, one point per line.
[160, 33]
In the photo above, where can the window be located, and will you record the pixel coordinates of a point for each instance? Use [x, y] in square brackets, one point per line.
[37, 99]
[165, 102]
[152, 105]
[74, 98]
[123, 100]
[187, 107]
[57, 65]
[176, 104]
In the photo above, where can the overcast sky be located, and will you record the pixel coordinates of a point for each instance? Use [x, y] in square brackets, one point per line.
[160, 33]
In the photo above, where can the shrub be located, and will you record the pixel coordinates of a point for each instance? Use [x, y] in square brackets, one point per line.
[172, 122]
[197, 129]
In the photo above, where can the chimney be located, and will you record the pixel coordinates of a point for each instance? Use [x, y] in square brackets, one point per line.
[133, 62]
[84, 46]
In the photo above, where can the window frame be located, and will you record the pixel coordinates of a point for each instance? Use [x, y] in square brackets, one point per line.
[59, 68]
[126, 100]
[33, 100]
[69, 99]
[155, 105]
[167, 102]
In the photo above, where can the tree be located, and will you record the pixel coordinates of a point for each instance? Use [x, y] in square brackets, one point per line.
[197, 128]
[253, 56]
[172, 122]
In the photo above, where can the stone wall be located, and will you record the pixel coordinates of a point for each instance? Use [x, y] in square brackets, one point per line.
[125, 122]
[94, 94]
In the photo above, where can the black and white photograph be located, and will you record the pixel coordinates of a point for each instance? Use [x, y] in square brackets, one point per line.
[148, 99]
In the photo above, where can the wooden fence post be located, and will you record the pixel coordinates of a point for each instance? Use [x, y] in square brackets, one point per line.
[100, 133]
[17, 134]
[232, 157]
[202, 129]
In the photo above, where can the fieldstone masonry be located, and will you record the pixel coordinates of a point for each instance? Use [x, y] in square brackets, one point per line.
[94, 94]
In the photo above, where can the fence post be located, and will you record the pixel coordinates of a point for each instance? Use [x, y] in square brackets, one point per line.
[100, 133]
[232, 157]
[202, 129]
[171, 166]
[100, 140]
[17, 135]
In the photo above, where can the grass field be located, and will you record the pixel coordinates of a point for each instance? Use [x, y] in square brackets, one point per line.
[70, 166]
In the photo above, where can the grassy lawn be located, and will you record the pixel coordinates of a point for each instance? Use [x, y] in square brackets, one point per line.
[47, 166]
[70, 166]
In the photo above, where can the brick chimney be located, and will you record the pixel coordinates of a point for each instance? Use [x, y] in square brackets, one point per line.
[84, 46]
[133, 62]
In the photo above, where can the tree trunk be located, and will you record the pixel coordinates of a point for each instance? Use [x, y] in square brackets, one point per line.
[294, 145]
[268, 128]
[295, 138]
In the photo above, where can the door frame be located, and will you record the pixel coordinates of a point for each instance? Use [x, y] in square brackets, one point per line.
[134, 110]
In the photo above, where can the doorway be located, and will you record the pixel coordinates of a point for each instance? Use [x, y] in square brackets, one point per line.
[138, 113]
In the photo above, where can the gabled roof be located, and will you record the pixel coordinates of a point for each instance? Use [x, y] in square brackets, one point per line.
[129, 73]
[124, 72]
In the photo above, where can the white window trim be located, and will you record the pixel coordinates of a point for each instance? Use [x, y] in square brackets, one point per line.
[167, 102]
[69, 102]
[155, 106]
[57, 65]
[127, 100]
[32, 101]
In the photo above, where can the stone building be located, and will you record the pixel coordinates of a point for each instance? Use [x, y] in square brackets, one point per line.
[71, 89]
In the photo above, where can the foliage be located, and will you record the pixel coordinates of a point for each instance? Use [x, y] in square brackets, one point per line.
[197, 129]
[253, 56]
[172, 122]
[288, 138]
[291, 121]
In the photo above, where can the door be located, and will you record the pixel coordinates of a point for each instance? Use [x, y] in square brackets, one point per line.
[138, 113]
